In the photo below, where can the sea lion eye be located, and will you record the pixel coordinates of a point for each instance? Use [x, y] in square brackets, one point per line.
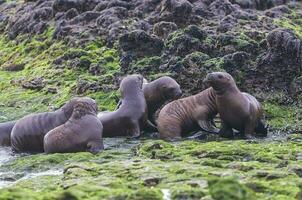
[220, 76]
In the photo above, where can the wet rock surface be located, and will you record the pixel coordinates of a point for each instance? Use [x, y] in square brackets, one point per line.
[157, 169]
[143, 29]
[52, 50]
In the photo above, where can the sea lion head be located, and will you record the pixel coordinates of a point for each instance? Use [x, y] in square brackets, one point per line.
[84, 106]
[169, 88]
[69, 106]
[220, 81]
[131, 84]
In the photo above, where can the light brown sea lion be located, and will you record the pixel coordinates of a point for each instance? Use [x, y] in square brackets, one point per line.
[131, 116]
[185, 115]
[5, 132]
[238, 110]
[158, 92]
[82, 132]
[28, 133]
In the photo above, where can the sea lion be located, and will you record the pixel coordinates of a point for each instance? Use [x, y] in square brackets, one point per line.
[82, 132]
[188, 114]
[158, 92]
[238, 110]
[29, 131]
[131, 116]
[5, 132]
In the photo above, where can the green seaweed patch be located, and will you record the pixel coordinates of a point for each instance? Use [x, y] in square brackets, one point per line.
[293, 21]
[187, 192]
[150, 63]
[44, 58]
[283, 117]
[229, 189]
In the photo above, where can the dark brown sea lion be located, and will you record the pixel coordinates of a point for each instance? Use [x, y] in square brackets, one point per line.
[28, 133]
[5, 132]
[237, 109]
[131, 116]
[82, 132]
[158, 92]
[185, 115]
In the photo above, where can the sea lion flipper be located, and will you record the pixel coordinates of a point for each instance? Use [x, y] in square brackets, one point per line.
[207, 127]
[118, 104]
[261, 128]
[249, 127]
[150, 126]
[226, 131]
[135, 132]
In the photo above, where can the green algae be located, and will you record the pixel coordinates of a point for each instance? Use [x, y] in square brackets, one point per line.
[292, 21]
[38, 55]
[283, 117]
[229, 189]
[189, 169]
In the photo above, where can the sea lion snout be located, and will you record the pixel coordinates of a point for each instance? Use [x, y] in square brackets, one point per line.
[177, 93]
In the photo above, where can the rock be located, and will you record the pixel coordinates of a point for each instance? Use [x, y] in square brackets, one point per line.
[96, 69]
[83, 86]
[163, 29]
[141, 44]
[34, 23]
[177, 11]
[296, 86]
[34, 84]
[190, 40]
[278, 11]
[52, 90]
[79, 5]
[118, 3]
[71, 13]
[282, 61]
[221, 8]
[150, 182]
[13, 67]
[85, 17]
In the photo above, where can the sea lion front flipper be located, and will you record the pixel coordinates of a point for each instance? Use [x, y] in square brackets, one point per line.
[249, 128]
[261, 129]
[226, 131]
[119, 104]
[95, 147]
[135, 132]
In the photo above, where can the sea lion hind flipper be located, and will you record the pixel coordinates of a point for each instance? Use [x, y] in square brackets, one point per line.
[208, 127]
[150, 126]
[95, 147]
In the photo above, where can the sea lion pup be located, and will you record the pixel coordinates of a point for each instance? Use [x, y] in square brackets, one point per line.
[82, 132]
[5, 132]
[131, 116]
[237, 110]
[158, 92]
[188, 114]
[28, 133]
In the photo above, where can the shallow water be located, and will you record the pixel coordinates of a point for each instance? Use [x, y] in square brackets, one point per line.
[6, 155]
[120, 144]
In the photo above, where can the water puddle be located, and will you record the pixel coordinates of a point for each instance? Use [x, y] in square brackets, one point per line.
[8, 178]
[166, 193]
